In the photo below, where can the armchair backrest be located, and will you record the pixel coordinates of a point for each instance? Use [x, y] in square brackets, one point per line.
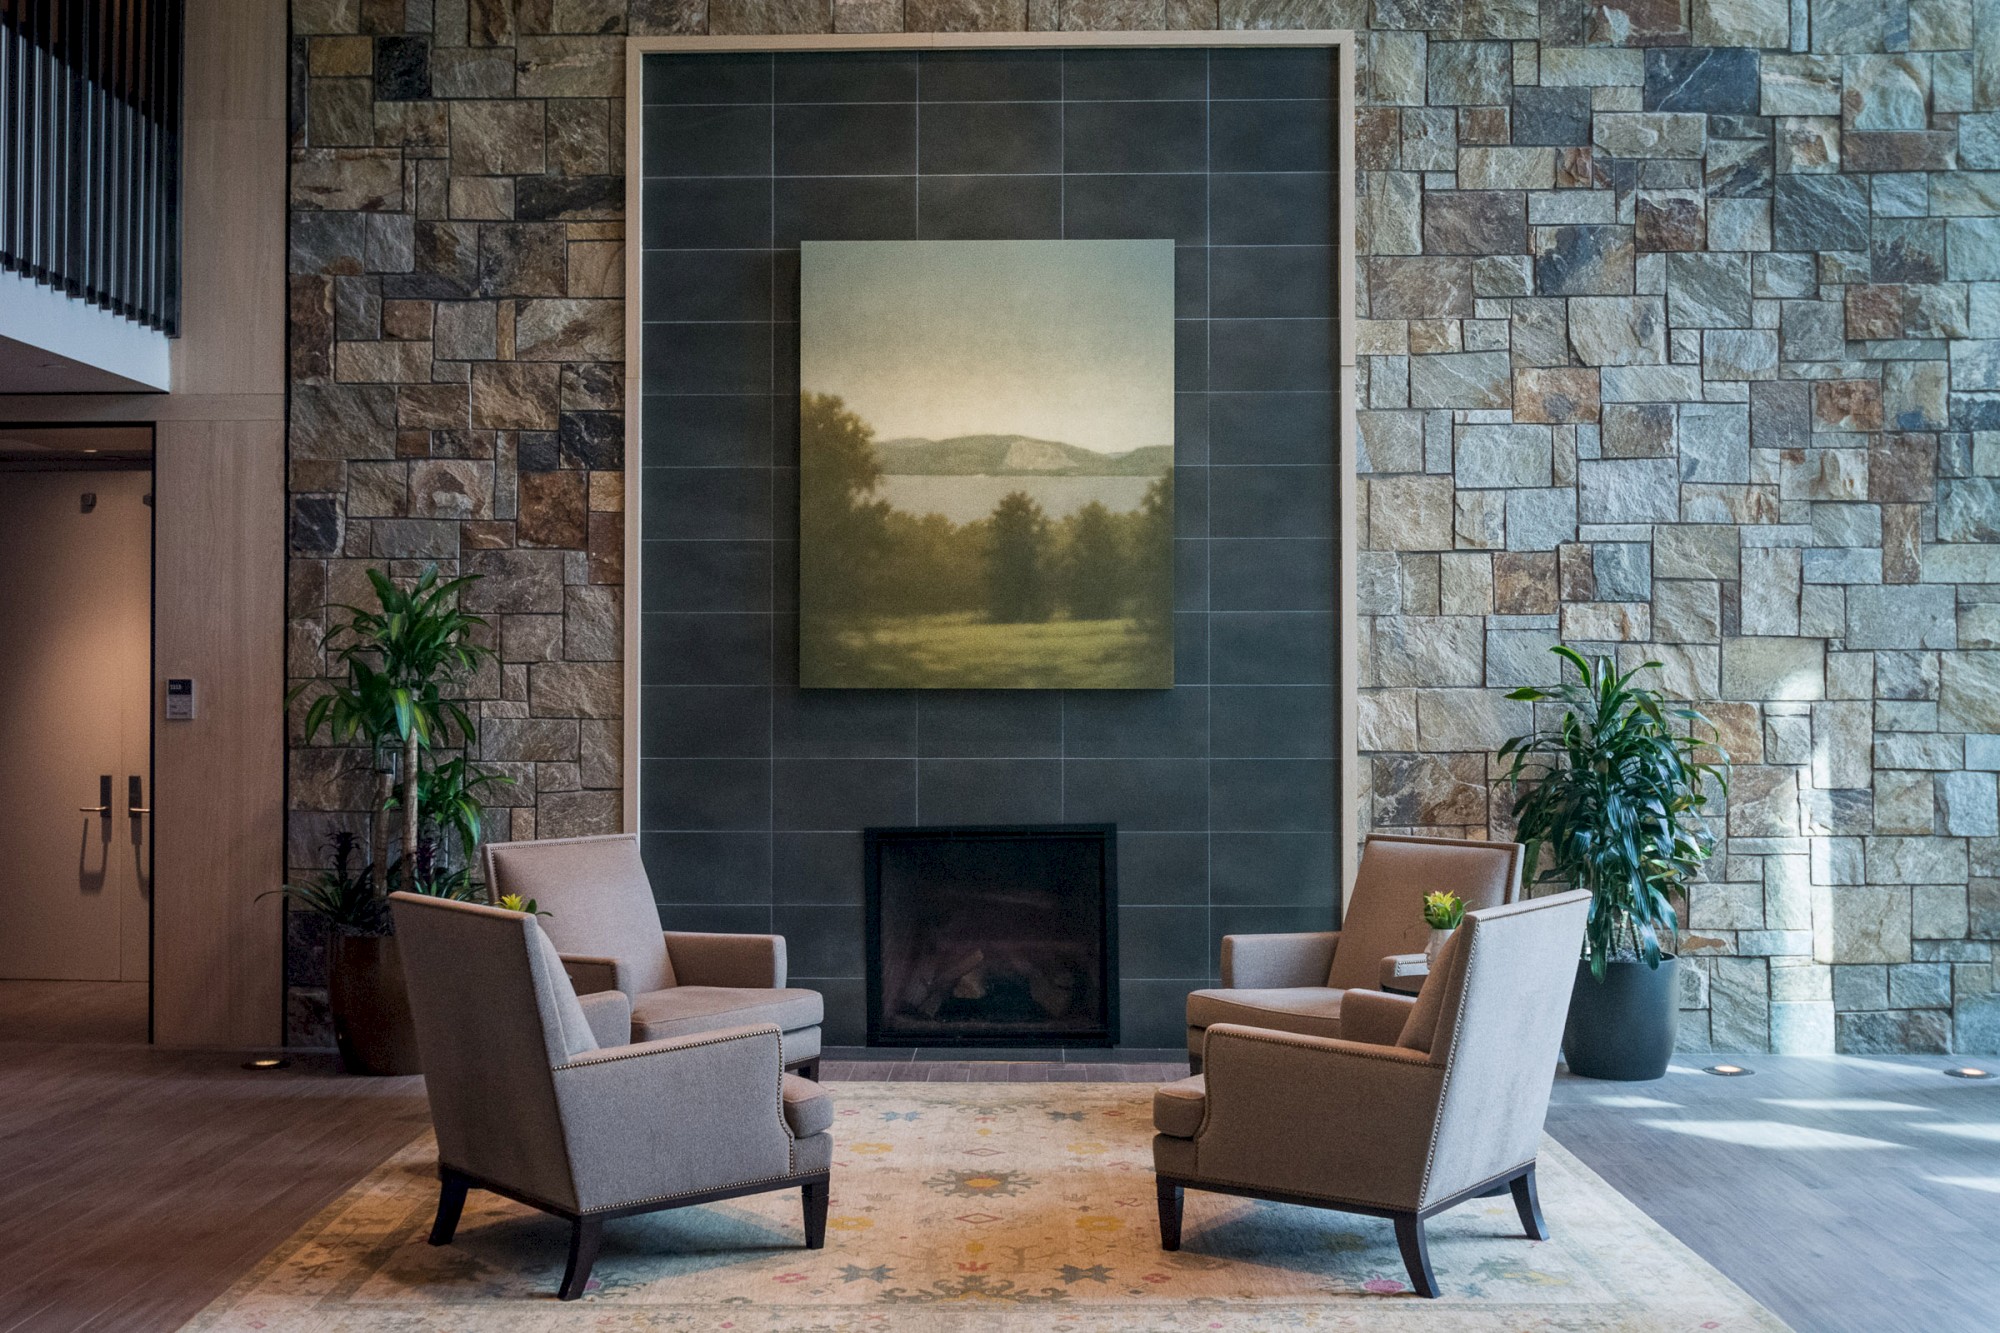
[1504, 1001]
[1385, 914]
[494, 1015]
[598, 899]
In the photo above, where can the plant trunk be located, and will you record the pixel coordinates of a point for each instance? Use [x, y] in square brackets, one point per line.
[411, 813]
[378, 839]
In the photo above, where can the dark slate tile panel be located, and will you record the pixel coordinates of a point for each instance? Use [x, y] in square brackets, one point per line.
[873, 139]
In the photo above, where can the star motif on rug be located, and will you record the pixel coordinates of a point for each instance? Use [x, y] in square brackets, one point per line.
[981, 1184]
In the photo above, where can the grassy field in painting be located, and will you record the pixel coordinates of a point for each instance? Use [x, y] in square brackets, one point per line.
[966, 651]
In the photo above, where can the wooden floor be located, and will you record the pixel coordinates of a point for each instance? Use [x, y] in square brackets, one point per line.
[137, 1184]
[1848, 1194]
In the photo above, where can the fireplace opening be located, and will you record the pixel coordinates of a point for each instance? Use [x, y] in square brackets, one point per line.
[992, 935]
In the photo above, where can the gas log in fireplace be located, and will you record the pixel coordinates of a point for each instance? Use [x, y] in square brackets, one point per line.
[993, 935]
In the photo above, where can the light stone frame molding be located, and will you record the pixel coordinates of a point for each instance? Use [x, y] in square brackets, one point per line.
[1346, 49]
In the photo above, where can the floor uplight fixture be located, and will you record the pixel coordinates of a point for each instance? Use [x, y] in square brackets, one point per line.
[1728, 1071]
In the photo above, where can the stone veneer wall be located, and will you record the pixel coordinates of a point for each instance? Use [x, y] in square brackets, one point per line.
[1681, 336]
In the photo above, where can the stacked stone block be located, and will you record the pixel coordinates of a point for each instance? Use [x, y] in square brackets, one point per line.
[1680, 334]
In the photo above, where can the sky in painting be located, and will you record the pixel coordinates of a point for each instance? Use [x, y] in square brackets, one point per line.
[1058, 340]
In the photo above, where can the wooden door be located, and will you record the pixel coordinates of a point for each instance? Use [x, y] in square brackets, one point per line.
[76, 609]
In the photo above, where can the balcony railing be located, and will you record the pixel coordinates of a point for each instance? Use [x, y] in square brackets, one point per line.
[90, 115]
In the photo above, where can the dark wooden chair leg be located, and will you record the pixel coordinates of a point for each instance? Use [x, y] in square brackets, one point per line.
[1173, 1202]
[585, 1234]
[1416, 1253]
[1194, 1063]
[815, 1199]
[810, 1069]
[1529, 1205]
[452, 1188]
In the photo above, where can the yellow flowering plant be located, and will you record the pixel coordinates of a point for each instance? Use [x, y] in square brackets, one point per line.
[1443, 911]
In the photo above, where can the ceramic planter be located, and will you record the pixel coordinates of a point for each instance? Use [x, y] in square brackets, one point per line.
[1624, 1026]
[371, 1008]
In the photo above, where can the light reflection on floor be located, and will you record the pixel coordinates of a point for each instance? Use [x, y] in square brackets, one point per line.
[1774, 1134]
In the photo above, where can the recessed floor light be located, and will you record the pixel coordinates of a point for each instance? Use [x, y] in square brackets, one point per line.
[1728, 1071]
[1968, 1071]
[267, 1064]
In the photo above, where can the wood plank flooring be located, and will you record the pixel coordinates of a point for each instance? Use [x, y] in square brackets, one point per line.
[137, 1184]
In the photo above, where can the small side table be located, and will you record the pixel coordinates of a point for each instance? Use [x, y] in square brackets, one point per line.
[1404, 973]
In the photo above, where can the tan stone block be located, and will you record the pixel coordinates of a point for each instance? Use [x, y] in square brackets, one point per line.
[378, 490]
[382, 362]
[515, 395]
[1524, 583]
[607, 492]
[597, 268]
[576, 689]
[1410, 513]
[340, 56]
[451, 488]
[565, 329]
[1558, 394]
[553, 510]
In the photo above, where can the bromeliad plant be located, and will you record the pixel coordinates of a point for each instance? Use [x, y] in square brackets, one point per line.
[1615, 796]
[1443, 911]
[404, 662]
[344, 894]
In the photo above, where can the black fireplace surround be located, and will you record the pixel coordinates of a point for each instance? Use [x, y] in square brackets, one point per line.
[992, 935]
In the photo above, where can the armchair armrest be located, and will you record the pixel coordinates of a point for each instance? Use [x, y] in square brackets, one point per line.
[609, 1013]
[654, 1119]
[1374, 1017]
[1267, 1090]
[1264, 962]
[754, 961]
[589, 974]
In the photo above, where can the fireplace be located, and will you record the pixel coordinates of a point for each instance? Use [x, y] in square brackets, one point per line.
[1002, 935]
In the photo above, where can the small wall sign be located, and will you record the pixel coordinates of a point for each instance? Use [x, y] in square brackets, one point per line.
[180, 699]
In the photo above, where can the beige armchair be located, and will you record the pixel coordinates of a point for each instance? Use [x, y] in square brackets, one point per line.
[1296, 982]
[603, 922]
[1423, 1104]
[536, 1095]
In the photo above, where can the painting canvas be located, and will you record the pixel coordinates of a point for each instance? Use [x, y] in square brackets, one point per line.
[986, 485]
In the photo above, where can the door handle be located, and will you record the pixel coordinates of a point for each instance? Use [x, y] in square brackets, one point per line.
[135, 792]
[103, 806]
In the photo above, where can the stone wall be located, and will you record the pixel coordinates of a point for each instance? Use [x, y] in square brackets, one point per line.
[1681, 336]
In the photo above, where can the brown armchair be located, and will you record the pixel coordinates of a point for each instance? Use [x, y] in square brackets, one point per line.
[602, 920]
[1297, 982]
[537, 1095]
[1423, 1104]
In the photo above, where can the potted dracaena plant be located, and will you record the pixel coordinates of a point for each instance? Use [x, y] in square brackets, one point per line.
[402, 666]
[1610, 798]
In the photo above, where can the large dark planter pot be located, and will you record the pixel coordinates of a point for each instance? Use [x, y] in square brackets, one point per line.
[371, 1008]
[1624, 1026]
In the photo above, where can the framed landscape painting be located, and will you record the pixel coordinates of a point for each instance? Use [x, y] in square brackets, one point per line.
[986, 484]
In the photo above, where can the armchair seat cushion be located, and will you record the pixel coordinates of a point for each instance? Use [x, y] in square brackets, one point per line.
[681, 1010]
[1312, 1010]
[1178, 1107]
[808, 1107]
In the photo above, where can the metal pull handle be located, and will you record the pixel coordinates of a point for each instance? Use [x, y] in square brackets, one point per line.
[135, 792]
[103, 806]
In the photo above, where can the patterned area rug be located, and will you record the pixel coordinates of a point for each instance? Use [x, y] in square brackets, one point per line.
[960, 1207]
